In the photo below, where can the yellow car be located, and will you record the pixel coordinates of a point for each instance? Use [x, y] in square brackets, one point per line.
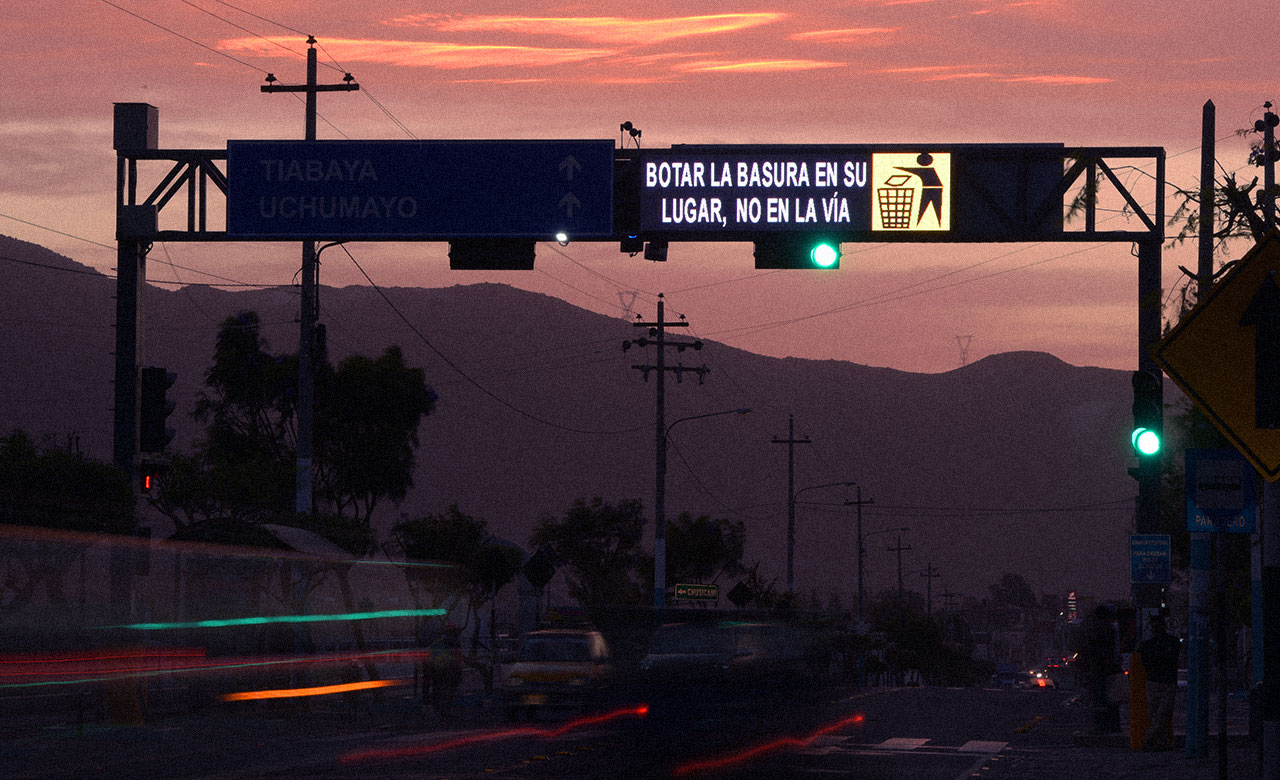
[562, 669]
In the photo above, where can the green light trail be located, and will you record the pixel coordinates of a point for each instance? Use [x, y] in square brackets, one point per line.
[257, 621]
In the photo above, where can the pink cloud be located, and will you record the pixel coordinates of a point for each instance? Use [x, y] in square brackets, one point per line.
[1057, 80]
[428, 54]
[756, 66]
[598, 29]
[846, 35]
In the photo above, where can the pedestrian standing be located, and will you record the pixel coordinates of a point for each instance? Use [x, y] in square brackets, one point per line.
[1099, 660]
[1160, 654]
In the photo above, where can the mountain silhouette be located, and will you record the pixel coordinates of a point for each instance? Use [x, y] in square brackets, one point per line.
[1013, 463]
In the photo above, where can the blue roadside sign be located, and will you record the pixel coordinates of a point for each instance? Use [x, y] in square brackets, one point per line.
[1150, 560]
[387, 190]
[1220, 492]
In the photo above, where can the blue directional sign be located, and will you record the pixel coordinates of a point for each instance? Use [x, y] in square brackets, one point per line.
[386, 190]
[1149, 558]
[1220, 492]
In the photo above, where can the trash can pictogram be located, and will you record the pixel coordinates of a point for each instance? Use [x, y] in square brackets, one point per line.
[895, 202]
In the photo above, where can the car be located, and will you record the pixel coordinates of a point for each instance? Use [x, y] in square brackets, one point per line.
[557, 670]
[691, 664]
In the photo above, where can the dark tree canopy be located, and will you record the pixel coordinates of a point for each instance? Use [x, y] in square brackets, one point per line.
[367, 414]
[52, 487]
[700, 548]
[453, 537]
[598, 545]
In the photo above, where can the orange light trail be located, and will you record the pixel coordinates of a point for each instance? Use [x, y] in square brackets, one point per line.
[769, 747]
[638, 711]
[319, 690]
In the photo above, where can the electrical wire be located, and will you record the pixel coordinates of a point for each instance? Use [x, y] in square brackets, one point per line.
[183, 37]
[458, 369]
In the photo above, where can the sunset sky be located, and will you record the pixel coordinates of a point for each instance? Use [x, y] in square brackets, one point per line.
[1079, 72]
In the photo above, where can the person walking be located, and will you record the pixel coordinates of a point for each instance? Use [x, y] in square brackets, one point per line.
[1160, 654]
[1099, 660]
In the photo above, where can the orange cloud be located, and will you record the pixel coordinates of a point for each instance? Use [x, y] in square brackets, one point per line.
[427, 54]
[756, 66]
[1057, 80]
[598, 29]
[846, 35]
[963, 75]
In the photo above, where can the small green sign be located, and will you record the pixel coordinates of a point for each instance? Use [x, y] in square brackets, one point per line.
[697, 592]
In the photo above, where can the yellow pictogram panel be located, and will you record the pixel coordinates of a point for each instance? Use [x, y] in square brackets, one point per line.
[911, 191]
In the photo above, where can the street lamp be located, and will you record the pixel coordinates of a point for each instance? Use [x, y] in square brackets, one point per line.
[791, 533]
[660, 510]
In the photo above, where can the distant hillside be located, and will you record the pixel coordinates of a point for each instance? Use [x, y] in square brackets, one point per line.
[1013, 463]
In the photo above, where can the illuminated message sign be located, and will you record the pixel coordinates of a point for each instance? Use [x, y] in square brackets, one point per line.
[945, 192]
[419, 189]
[758, 189]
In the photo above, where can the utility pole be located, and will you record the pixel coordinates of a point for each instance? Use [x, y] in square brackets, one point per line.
[862, 551]
[791, 441]
[948, 599]
[930, 573]
[1270, 523]
[898, 549]
[307, 314]
[658, 333]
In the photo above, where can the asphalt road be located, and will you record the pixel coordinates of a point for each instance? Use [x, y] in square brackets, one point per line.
[916, 733]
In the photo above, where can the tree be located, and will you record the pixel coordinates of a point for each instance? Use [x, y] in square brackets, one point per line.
[481, 566]
[55, 488]
[1013, 591]
[598, 545]
[701, 549]
[1238, 207]
[367, 430]
[366, 435]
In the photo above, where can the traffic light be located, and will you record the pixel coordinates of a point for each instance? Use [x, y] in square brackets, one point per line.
[1148, 413]
[797, 251]
[155, 408]
[491, 254]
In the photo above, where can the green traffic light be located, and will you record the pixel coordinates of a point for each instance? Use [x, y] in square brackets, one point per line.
[825, 255]
[1145, 441]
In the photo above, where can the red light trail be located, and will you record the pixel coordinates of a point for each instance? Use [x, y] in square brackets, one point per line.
[710, 764]
[493, 736]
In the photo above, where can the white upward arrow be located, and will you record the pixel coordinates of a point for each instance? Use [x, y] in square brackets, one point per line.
[569, 203]
[568, 166]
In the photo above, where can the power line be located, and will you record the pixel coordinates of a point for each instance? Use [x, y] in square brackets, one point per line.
[467, 376]
[183, 37]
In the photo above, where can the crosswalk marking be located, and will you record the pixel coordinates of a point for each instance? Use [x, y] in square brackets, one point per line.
[902, 743]
[830, 744]
[981, 746]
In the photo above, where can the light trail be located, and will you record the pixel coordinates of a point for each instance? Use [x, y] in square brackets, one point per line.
[638, 711]
[104, 675]
[319, 690]
[711, 764]
[258, 621]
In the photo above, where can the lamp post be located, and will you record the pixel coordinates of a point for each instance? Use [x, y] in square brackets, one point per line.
[791, 538]
[660, 511]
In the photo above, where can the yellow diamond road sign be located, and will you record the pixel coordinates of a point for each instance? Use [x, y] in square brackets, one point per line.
[1225, 355]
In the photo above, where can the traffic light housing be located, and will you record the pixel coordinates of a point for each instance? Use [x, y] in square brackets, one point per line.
[155, 408]
[491, 254]
[798, 251]
[1148, 414]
